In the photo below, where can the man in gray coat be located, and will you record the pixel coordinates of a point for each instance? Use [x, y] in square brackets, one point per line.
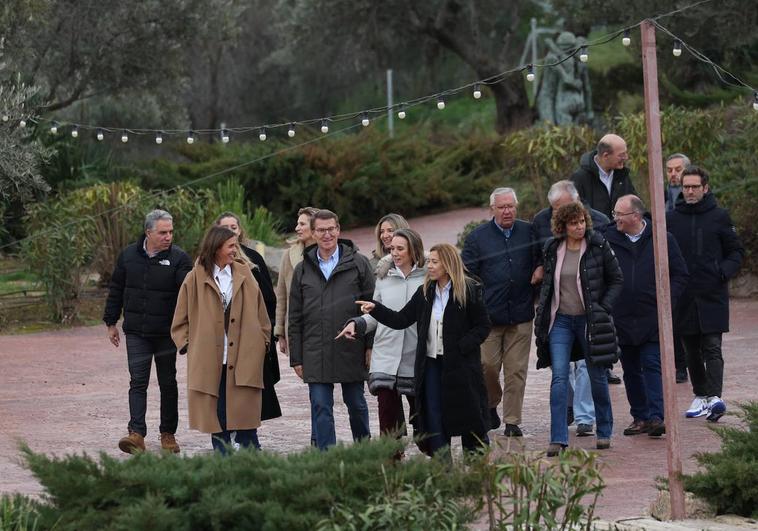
[325, 286]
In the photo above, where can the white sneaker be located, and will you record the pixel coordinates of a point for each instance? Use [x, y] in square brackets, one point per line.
[716, 409]
[698, 408]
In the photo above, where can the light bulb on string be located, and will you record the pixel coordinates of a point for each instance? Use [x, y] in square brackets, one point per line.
[440, 103]
[530, 73]
[191, 137]
[262, 134]
[626, 40]
[364, 120]
[99, 135]
[159, 138]
[54, 128]
[324, 126]
[401, 112]
[124, 136]
[477, 91]
[225, 136]
[584, 55]
[75, 132]
[755, 100]
[677, 51]
[22, 123]
[6, 117]
[291, 131]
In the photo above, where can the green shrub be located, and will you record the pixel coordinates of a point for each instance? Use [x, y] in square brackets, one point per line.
[729, 481]
[17, 514]
[245, 490]
[59, 250]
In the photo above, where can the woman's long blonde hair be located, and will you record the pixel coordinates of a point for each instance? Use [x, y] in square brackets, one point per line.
[453, 265]
[397, 221]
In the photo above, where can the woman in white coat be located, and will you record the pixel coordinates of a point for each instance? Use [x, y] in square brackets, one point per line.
[394, 351]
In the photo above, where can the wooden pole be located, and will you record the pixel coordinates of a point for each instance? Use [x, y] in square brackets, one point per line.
[657, 204]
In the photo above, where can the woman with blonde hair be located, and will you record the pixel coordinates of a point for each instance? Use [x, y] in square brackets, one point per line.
[220, 299]
[384, 231]
[452, 322]
[271, 375]
[304, 238]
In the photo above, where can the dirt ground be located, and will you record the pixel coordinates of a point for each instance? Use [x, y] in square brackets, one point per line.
[66, 392]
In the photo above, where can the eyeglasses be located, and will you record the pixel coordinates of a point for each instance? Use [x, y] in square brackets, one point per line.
[621, 214]
[692, 186]
[326, 230]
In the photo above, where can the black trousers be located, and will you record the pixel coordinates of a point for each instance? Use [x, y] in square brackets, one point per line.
[680, 356]
[705, 363]
[140, 352]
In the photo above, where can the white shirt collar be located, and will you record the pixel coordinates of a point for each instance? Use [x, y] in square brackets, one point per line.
[399, 272]
[225, 272]
[636, 237]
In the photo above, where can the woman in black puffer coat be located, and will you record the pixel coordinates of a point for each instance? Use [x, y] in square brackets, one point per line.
[581, 283]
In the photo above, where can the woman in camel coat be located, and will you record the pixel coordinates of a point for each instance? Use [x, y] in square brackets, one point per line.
[222, 325]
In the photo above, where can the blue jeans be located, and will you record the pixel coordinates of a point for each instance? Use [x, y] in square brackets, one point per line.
[225, 438]
[579, 380]
[434, 431]
[567, 329]
[322, 410]
[642, 379]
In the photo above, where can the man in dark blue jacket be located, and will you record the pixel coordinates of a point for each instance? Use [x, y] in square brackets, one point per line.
[636, 317]
[145, 284]
[714, 254]
[503, 253]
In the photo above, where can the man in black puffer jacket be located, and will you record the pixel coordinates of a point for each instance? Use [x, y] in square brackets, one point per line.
[145, 284]
[713, 252]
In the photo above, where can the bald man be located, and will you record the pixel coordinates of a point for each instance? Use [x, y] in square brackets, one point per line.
[602, 177]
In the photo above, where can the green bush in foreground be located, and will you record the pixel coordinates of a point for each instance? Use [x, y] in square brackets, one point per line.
[358, 487]
[729, 481]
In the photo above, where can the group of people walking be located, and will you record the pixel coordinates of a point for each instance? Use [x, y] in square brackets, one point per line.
[436, 327]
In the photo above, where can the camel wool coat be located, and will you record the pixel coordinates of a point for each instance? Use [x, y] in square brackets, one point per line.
[198, 331]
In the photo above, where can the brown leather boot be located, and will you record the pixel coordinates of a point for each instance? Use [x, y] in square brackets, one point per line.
[132, 443]
[168, 442]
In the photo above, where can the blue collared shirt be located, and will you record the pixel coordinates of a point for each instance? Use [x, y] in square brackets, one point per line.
[327, 266]
[635, 237]
[606, 178]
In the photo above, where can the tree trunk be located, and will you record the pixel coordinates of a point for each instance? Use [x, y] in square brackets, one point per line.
[511, 104]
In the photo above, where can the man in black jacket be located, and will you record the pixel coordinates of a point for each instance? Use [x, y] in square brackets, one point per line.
[145, 284]
[637, 318]
[602, 177]
[714, 253]
[504, 254]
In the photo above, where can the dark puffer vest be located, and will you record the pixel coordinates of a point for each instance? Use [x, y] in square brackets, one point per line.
[602, 282]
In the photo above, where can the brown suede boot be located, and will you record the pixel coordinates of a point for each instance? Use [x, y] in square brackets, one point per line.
[168, 442]
[132, 443]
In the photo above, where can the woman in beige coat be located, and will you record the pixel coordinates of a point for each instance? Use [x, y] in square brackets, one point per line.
[222, 325]
[289, 260]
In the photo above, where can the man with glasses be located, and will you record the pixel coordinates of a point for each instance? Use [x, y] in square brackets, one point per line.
[325, 286]
[504, 254]
[637, 318]
[713, 252]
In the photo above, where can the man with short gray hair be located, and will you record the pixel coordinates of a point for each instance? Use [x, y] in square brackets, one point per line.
[503, 253]
[145, 285]
[675, 165]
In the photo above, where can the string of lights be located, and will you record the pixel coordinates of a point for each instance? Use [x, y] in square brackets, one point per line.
[224, 134]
